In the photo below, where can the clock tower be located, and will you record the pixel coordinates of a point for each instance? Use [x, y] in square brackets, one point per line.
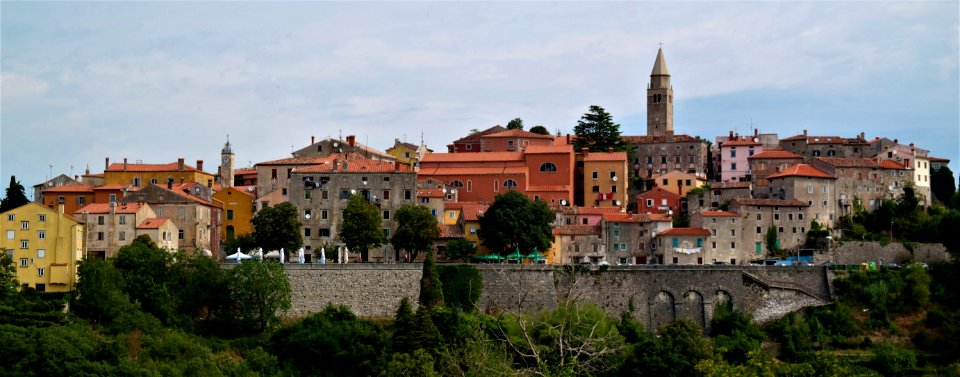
[226, 165]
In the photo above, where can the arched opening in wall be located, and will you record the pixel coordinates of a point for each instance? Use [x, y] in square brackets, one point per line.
[230, 232]
[692, 308]
[721, 297]
[662, 309]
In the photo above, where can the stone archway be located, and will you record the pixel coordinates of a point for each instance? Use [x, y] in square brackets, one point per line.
[662, 309]
[692, 308]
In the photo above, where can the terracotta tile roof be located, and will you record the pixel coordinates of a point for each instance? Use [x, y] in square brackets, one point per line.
[112, 186]
[548, 188]
[356, 166]
[577, 230]
[801, 170]
[659, 139]
[70, 188]
[684, 232]
[825, 139]
[624, 218]
[775, 154]
[517, 133]
[459, 205]
[660, 217]
[472, 157]
[309, 160]
[657, 190]
[718, 214]
[850, 162]
[97, 175]
[475, 137]
[544, 149]
[244, 171]
[472, 171]
[451, 231]
[152, 223]
[173, 166]
[605, 156]
[889, 164]
[729, 185]
[434, 193]
[770, 202]
[597, 210]
[740, 143]
[122, 208]
[250, 191]
[938, 159]
[472, 212]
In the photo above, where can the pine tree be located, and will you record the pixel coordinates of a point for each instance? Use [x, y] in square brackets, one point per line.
[596, 130]
[431, 292]
[14, 197]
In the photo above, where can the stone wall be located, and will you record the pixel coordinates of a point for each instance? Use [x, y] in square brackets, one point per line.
[856, 252]
[652, 294]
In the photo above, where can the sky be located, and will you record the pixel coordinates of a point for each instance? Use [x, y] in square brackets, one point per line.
[152, 82]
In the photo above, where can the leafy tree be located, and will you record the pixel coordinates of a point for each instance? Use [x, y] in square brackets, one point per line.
[244, 242]
[596, 130]
[8, 277]
[143, 266]
[14, 197]
[419, 363]
[684, 340]
[892, 360]
[461, 286]
[333, 342]
[538, 129]
[515, 124]
[680, 220]
[261, 293]
[199, 283]
[735, 333]
[361, 226]
[514, 221]
[771, 239]
[431, 291]
[100, 294]
[416, 230]
[278, 227]
[817, 236]
[942, 185]
[460, 249]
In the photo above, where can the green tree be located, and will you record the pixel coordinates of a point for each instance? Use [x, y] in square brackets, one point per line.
[361, 226]
[515, 221]
[431, 291]
[8, 277]
[538, 129]
[199, 283]
[278, 227]
[817, 236]
[460, 249]
[597, 131]
[515, 124]
[892, 360]
[419, 363]
[942, 185]
[685, 341]
[100, 294]
[245, 242]
[734, 333]
[261, 293]
[333, 342]
[771, 239]
[416, 230]
[14, 197]
[143, 266]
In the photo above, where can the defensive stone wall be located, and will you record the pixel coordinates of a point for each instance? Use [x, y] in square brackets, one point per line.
[652, 294]
[856, 252]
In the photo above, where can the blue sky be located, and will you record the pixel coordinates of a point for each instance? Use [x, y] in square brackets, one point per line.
[158, 81]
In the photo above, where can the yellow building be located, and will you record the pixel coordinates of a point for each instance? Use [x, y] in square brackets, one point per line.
[142, 175]
[604, 179]
[45, 246]
[678, 182]
[470, 220]
[407, 153]
[237, 206]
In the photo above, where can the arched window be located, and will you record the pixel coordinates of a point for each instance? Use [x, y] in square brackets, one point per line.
[816, 153]
[456, 183]
[469, 185]
[548, 167]
[831, 152]
[510, 184]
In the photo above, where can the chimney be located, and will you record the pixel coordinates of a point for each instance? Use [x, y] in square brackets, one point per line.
[181, 180]
[568, 139]
[863, 136]
[351, 140]
[896, 141]
[911, 145]
[396, 165]
[804, 132]
[124, 164]
[731, 135]
[209, 183]
[756, 132]
[586, 151]
[106, 164]
[312, 140]
[180, 164]
[76, 177]
[200, 165]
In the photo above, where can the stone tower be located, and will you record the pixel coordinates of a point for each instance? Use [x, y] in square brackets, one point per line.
[226, 165]
[660, 99]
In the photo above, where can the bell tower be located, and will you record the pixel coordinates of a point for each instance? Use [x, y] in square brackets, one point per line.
[226, 165]
[660, 99]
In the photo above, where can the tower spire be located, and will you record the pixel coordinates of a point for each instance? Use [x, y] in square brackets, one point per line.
[660, 98]
[660, 65]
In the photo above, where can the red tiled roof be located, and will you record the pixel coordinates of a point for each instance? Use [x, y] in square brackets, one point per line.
[740, 143]
[657, 190]
[826, 139]
[434, 193]
[853, 162]
[475, 137]
[97, 175]
[518, 133]
[770, 202]
[171, 167]
[577, 230]
[548, 188]
[660, 217]
[112, 186]
[775, 154]
[473, 171]
[70, 188]
[623, 217]
[938, 159]
[684, 232]
[121, 208]
[152, 223]
[309, 160]
[472, 157]
[543, 149]
[356, 166]
[605, 156]
[597, 210]
[888, 164]
[801, 170]
[451, 231]
[473, 211]
[659, 139]
[244, 171]
[718, 214]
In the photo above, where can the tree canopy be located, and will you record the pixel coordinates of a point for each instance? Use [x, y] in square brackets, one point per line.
[278, 227]
[460, 249]
[361, 226]
[261, 292]
[431, 291]
[942, 184]
[14, 197]
[416, 230]
[515, 124]
[597, 131]
[515, 221]
[538, 129]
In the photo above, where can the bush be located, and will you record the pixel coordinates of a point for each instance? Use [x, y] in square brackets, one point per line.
[893, 360]
[461, 286]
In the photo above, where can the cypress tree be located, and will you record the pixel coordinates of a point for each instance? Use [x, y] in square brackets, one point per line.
[431, 292]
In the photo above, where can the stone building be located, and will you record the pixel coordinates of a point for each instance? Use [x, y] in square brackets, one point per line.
[916, 160]
[621, 237]
[725, 233]
[331, 146]
[682, 245]
[191, 208]
[770, 162]
[789, 217]
[826, 146]
[658, 200]
[576, 244]
[807, 184]
[864, 182]
[110, 226]
[321, 193]
[660, 99]
[60, 180]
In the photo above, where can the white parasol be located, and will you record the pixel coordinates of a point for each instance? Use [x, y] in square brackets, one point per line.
[323, 256]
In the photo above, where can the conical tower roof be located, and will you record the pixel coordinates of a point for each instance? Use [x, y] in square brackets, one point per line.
[660, 66]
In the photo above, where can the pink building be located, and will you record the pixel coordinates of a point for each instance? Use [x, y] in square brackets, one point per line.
[734, 166]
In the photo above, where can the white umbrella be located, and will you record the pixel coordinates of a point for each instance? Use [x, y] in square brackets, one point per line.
[260, 253]
[300, 256]
[323, 256]
[340, 254]
[272, 255]
[238, 256]
[283, 255]
[346, 254]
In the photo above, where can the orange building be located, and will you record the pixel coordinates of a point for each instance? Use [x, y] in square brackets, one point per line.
[512, 141]
[604, 179]
[72, 197]
[141, 175]
[237, 205]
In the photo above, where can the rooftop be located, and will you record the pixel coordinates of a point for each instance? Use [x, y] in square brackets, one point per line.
[684, 232]
[775, 154]
[801, 170]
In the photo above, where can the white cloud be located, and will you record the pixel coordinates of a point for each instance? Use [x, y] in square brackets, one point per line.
[17, 86]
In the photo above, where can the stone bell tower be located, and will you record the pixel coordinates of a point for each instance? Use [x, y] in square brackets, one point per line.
[660, 99]
[226, 165]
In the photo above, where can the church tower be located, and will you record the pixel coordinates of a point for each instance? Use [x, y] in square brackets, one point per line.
[660, 99]
[226, 165]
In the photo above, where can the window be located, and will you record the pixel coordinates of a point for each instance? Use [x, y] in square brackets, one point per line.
[11, 217]
[623, 246]
[713, 232]
[613, 189]
[780, 229]
[24, 225]
[456, 183]
[99, 236]
[510, 184]
[136, 182]
[283, 191]
[344, 194]
[23, 262]
[733, 153]
[675, 242]
[323, 214]
[616, 232]
[733, 166]
[181, 213]
[407, 194]
[759, 230]
[81, 200]
[306, 232]
[113, 198]
[776, 217]
[307, 214]
[11, 234]
[473, 229]
[386, 215]
[323, 232]
[594, 175]
[548, 167]
[42, 218]
[699, 242]
[24, 244]
[180, 234]
[758, 216]
[596, 188]
[510, 142]
[40, 271]
[122, 219]
[824, 203]
[790, 216]
[649, 202]
[733, 245]
[386, 194]
[809, 189]
[229, 214]
[123, 236]
[41, 234]
[451, 214]
[733, 232]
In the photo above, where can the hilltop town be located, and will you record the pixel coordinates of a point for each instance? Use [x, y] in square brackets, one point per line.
[660, 198]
